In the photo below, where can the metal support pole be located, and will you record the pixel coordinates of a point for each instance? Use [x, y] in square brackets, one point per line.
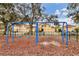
[12, 33]
[63, 34]
[66, 35]
[37, 33]
[7, 34]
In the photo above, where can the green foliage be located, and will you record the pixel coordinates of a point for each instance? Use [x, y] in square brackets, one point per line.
[6, 5]
[72, 7]
[58, 28]
[7, 14]
[77, 30]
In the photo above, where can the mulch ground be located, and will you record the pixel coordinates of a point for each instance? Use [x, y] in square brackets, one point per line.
[27, 47]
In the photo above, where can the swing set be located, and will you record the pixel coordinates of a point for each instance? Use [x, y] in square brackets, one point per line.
[37, 37]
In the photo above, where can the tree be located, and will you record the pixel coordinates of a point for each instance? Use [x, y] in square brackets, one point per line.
[36, 11]
[28, 11]
[53, 18]
[23, 9]
[7, 14]
[74, 11]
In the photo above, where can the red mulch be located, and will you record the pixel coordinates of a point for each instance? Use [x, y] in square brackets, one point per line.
[27, 47]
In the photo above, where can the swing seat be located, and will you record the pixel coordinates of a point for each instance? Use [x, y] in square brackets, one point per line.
[28, 37]
[19, 36]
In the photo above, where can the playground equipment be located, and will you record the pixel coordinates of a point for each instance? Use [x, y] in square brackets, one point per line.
[56, 37]
[37, 32]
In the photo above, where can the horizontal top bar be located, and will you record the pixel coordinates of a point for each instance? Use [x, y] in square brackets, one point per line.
[35, 22]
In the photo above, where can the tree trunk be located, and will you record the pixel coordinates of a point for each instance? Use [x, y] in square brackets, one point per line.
[31, 27]
[55, 29]
[33, 12]
[10, 30]
[5, 28]
[77, 37]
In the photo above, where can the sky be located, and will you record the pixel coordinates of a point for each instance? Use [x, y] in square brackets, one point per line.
[59, 9]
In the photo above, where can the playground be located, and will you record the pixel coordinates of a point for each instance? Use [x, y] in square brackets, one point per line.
[46, 42]
[38, 29]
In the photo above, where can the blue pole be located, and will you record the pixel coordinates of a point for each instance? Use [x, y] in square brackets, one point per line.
[66, 35]
[36, 33]
[12, 33]
[7, 34]
[33, 22]
[63, 34]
